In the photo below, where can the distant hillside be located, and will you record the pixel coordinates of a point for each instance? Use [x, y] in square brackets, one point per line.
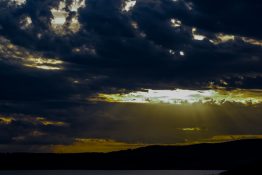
[229, 155]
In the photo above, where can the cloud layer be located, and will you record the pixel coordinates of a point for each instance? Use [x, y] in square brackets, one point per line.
[56, 55]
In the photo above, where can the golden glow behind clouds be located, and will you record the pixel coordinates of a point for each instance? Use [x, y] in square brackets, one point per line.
[4, 120]
[106, 146]
[16, 54]
[43, 63]
[226, 138]
[7, 120]
[252, 41]
[223, 38]
[190, 129]
[180, 96]
[50, 122]
[95, 145]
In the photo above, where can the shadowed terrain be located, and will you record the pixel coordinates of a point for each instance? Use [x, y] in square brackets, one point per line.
[233, 155]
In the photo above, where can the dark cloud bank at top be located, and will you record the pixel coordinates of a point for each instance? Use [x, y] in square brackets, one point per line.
[110, 46]
[157, 44]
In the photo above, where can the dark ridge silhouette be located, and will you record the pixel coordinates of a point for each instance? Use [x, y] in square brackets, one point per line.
[226, 156]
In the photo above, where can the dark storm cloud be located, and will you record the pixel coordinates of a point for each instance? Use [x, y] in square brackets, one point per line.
[236, 17]
[120, 53]
[116, 50]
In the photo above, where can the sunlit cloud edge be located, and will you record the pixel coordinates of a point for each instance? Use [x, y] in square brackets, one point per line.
[181, 96]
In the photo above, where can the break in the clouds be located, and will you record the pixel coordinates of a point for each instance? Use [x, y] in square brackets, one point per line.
[67, 60]
[180, 96]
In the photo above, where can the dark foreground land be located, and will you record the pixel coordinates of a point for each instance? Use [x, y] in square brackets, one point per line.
[243, 155]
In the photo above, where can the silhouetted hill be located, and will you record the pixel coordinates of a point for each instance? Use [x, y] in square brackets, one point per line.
[229, 155]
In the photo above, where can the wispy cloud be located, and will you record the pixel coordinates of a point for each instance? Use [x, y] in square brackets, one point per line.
[14, 54]
[35, 120]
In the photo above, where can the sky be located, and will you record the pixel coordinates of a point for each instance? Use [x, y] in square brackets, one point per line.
[108, 75]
